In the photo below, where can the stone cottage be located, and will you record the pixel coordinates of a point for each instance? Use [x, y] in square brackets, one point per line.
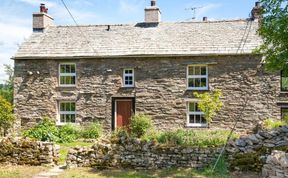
[105, 73]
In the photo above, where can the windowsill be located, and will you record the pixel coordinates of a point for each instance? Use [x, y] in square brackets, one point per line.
[201, 126]
[284, 92]
[197, 89]
[62, 124]
[128, 87]
[66, 87]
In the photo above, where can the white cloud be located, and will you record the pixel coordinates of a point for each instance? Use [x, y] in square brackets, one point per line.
[206, 8]
[131, 6]
[37, 2]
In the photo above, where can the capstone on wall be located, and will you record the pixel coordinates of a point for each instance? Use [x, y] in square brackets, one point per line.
[160, 89]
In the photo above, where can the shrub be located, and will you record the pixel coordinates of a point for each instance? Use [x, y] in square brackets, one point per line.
[45, 130]
[271, 124]
[93, 131]
[6, 115]
[68, 133]
[140, 124]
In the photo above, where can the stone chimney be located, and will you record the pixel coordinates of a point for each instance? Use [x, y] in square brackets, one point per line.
[41, 20]
[152, 13]
[256, 11]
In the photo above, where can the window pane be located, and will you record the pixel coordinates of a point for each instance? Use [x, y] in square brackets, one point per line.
[284, 84]
[191, 82]
[73, 118]
[73, 80]
[192, 107]
[62, 107]
[73, 70]
[62, 68]
[203, 82]
[68, 118]
[62, 118]
[203, 120]
[197, 70]
[68, 69]
[198, 119]
[197, 82]
[203, 70]
[191, 70]
[191, 119]
[197, 108]
[73, 107]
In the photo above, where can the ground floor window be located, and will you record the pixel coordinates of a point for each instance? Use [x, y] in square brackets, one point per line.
[284, 113]
[195, 117]
[67, 112]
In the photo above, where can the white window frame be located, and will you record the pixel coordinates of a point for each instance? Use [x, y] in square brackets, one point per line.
[65, 112]
[67, 75]
[128, 75]
[194, 113]
[197, 76]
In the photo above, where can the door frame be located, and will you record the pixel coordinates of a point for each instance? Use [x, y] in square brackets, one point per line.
[114, 108]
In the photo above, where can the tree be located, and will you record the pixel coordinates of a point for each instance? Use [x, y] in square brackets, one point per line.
[6, 116]
[273, 30]
[209, 103]
[6, 91]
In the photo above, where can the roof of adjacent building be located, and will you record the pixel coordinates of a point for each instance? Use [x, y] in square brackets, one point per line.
[165, 39]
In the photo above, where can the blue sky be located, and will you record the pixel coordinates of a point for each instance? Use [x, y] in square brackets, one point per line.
[16, 16]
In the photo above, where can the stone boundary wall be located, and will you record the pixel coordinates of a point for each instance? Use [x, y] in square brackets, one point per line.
[276, 165]
[251, 151]
[21, 151]
[136, 154]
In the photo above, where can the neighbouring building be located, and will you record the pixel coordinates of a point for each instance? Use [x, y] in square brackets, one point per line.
[105, 73]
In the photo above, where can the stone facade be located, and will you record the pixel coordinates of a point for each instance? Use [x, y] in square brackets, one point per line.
[135, 154]
[160, 89]
[28, 152]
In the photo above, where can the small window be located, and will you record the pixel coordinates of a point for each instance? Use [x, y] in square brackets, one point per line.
[284, 81]
[195, 117]
[67, 112]
[67, 75]
[284, 113]
[197, 77]
[128, 78]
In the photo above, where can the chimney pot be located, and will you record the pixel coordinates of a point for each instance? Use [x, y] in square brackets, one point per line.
[153, 3]
[256, 11]
[257, 4]
[205, 19]
[42, 20]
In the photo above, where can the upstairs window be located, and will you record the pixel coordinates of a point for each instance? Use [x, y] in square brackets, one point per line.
[67, 74]
[195, 117]
[67, 112]
[284, 81]
[197, 77]
[128, 78]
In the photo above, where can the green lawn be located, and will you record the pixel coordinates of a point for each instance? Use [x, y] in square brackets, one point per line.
[9, 171]
[64, 148]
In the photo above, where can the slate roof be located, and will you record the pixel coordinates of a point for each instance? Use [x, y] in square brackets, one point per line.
[166, 39]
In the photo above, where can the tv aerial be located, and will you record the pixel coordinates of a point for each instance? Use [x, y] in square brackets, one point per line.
[194, 9]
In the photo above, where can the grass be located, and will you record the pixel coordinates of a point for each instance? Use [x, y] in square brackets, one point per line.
[64, 148]
[196, 138]
[9, 171]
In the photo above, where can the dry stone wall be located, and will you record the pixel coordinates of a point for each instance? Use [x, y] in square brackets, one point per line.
[160, 89]
[21, 151]
[276, 165]
[136, 154]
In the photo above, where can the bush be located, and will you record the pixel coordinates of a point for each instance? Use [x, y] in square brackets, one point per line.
[140, 124]
[68, 133]
[45, 130]
[93, 131]
[198, 138]
[6, 116]
[271, 124]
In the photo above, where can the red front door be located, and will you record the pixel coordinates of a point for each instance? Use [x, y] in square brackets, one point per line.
[123, 113]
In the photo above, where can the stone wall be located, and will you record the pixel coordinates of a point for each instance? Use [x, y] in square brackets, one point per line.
[136, 154]
[251, 152]
[160, 89]
[28, 152]
[276, 165]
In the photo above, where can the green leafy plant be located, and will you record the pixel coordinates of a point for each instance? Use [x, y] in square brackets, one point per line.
[140, 124]
[45, 130]
[68, 133]
[7, 118]
[271, 124]
[93, 131]
[209, 103]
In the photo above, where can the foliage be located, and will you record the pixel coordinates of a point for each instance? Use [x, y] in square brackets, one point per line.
[221, 169]
[6, 91]
[271, 124]
[6, 115]
[273, 30]
[9, 70]
[209, 103]
[68, 133]
[7, 94]
[197, 138]
[92, 131]
[140, 124]
[45, 130]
